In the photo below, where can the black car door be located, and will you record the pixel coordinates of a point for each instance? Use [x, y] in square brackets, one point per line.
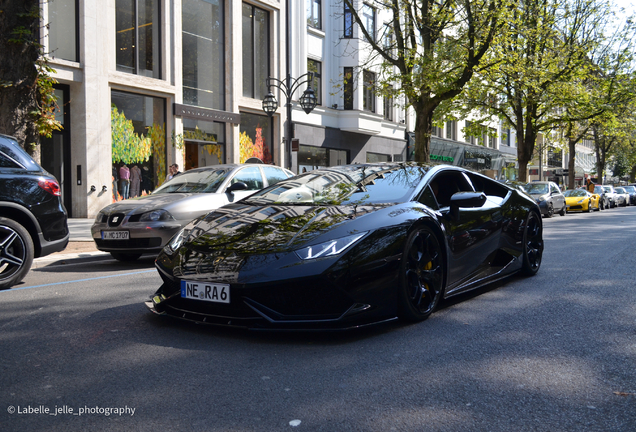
[473, 234]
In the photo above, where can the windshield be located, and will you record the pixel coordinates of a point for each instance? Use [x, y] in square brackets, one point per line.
[598, 189]
[575, 193]
[620, 190]
[536, 188]
[349, 185]
[197, 181]
[607, 188]
[629, 189]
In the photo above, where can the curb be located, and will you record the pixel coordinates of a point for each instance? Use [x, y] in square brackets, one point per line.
[65, 259]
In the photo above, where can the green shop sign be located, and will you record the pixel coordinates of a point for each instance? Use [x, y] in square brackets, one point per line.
[442, 158]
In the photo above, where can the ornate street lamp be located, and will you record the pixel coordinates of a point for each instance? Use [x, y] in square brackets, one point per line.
[308, 102]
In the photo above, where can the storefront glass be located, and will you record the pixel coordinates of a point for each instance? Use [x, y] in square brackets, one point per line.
[204, 143]
[311, 158]
[256, 138]
[138, 144]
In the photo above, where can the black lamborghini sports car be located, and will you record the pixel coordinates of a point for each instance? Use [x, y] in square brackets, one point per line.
[342, 247]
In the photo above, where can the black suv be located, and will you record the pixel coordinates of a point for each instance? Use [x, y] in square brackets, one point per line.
[33, 220]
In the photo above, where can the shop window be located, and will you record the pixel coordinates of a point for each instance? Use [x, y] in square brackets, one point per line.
[255, 51]
[255, 139]
[204, 143]
[311, 158]
[203, 58]
[137, 37]
[378, 157]
[138, 140]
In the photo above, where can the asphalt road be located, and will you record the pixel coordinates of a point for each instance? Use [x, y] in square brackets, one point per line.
[554, 352]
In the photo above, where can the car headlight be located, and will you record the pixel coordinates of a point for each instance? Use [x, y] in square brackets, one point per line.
[156, 215]
[177, 241]
[98, 218]
[330, 248]
[540, 199]
[582, 201]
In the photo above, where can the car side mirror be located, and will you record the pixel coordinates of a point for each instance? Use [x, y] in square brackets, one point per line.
[236, 187]
[466, 200]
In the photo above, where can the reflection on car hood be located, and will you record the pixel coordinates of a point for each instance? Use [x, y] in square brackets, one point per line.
[271, 228]
[148, 202]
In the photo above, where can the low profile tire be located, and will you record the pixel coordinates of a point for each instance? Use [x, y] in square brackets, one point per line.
[532, 245]
[563, 211]
[421, 275]
[16, 252]
[125, 256]
[589, 206]
[550, 212]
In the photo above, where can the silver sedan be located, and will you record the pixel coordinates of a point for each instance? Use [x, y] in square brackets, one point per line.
[127, 229]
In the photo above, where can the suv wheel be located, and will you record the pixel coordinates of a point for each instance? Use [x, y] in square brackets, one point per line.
[16, 252]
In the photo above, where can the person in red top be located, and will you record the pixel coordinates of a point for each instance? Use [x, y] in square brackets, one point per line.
[124, 181]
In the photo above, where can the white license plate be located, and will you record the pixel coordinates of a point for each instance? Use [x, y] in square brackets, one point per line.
[206, 291]
[115, 235]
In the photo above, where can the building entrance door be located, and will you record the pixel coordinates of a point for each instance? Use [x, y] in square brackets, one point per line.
[56, 151]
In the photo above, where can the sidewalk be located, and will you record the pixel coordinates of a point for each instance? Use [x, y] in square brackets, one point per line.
[80, 247]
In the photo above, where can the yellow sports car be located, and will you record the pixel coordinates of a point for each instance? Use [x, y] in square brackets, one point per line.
[581, 200]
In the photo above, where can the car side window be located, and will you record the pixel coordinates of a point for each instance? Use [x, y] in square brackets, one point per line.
[427, 197]
[446, 184]
[251, 176]
[6, 162]
[273, 174]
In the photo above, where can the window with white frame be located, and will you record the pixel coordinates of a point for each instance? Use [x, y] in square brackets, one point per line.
[368, 19]
[368, 95]
[137, 37]
[314, 13]
[348, 21]
[316, 67]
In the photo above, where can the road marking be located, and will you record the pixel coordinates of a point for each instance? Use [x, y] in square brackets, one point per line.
[79, 280]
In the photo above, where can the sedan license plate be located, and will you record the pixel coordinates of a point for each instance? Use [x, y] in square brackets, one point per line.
[115, 235]
[206, 291]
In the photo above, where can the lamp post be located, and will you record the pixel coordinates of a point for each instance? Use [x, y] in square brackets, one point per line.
[308, 102]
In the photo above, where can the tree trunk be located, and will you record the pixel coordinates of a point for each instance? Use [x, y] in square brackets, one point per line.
[423, 132]
[19, 50]
[571, 161]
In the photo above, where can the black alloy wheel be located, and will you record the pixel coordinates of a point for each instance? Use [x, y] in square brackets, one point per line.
[119, 256]
[421, 275]
[550, 212]
[16, 252]
[563, 210]
[532, 245]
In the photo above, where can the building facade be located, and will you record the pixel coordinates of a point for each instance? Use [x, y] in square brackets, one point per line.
[150, 83]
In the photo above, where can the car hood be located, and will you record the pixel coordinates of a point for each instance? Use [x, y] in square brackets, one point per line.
[537, 196]
[574, 199]
[180, 205]
[273, 228]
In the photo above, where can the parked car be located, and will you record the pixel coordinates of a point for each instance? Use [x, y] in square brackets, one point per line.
[127, 229]
[610, 192]
[604, 202]
[581, 200]
[33, 220]
[549, 197]
[631, 190]
[346, 246]
[622, 197]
